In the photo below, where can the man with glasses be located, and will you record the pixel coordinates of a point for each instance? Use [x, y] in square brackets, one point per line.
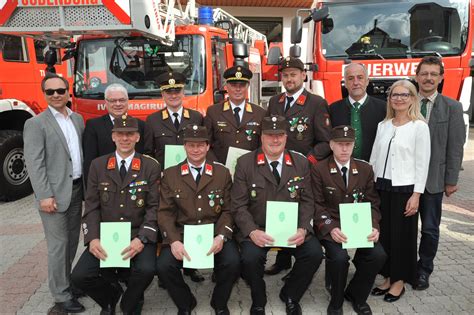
[53, 156]
[97, 139]
[448, 134]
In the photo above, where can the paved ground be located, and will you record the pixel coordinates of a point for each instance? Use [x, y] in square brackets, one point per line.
[23, 271]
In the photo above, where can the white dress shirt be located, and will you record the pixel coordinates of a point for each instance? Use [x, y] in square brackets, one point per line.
[340, 166]
[362, 100]
[179, 111]
[279, 166]
[194, 172]
[72, 139]
[128, 160]
[295, 96]
[241, 106]
[429, 105]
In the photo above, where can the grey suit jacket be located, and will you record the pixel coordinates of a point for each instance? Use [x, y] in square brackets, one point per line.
[48, 159]
[448, 134]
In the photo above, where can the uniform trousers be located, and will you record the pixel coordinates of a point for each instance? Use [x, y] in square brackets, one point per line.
[226, 270]
[398, 236]
[368, 262]
[308, 257]
[100, 283]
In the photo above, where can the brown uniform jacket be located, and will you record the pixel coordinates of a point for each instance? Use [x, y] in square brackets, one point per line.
[254, 185]
[224, 132]
[135, 199]
[183, 203]
[329, 191]
[309, 114]
[160, 131]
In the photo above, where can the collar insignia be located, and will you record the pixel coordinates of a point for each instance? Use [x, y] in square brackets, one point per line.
[186, 113]
[226, 106]
[184, 169]
[111, 163]
[355, 171]
[282, 98]
[208, 169]
[288, 159]
[164, 114]
[261, 159]
[136, 164]
[248, 108]
[301, 100]
[333, 168]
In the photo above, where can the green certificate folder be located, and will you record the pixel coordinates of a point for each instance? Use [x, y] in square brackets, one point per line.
[114, 238]
[232, 155]
[174, 154]
[281, 222]
[198, 240]
[356, 224]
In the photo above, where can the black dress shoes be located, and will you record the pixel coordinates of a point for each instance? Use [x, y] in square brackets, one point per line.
[392, 298]
[194, 274]
[257, 310]
[188, 311]
[334, 311]
[276, 269]
[117, 292]
[377, 291]
[422, 283]
[359, 308]
[72, 306]
[292, 306]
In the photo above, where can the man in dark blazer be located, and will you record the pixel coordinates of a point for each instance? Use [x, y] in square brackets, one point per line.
[53, 156]
[234, 122]
[97, 139]
[359, 110]
[448, 134]
[307, 129]
[272, 173]
[342, 179]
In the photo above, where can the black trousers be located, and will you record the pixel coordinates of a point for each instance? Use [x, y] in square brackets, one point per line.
[398, 236]
[98, 282]
[308, 258]
[226, 269]
[367, 261]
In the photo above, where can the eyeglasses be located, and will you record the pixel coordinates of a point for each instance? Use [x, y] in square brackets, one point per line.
[402, 96]
[432, 74]
[119, 100]
[50, 92]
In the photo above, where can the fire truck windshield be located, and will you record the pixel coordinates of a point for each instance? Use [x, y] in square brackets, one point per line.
[395, 29]
[136, 62]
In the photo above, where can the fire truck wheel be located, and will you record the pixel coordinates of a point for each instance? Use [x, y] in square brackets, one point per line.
[14, 181]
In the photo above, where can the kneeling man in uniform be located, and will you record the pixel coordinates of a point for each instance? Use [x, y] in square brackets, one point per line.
[272, 173]
[343, 179]
[122, 187]
[197, 192]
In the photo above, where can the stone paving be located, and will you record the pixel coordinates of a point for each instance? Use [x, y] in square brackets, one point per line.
[24, 289]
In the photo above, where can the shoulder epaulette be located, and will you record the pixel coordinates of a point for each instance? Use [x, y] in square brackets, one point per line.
[359, 160]
[296, 152]
[218, 163]
[151, 158]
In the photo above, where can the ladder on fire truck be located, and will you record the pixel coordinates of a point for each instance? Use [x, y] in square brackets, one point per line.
[57, 22]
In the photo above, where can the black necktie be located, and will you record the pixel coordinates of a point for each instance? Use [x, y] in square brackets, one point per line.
[274, 165]
[289, 99]
[424, 107]
[123, 169]
[236, 115]
[198, 177]
[176, 120]
[344, 177]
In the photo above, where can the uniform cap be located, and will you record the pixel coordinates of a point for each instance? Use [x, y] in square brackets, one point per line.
[171, 80]
[343, 134]
[274, 125]
[125, 123]
[195, 133]
[238, 74]
[291, 62]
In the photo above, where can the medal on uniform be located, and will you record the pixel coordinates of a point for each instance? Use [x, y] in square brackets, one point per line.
[218, 209]
[293, 123]
[222, 202]
[249, 134]
[292, 191]
[299, 136]
[253, 193]
[105, 197]
[211, 196]
[133, 192]
[140, 203]
[133, 197]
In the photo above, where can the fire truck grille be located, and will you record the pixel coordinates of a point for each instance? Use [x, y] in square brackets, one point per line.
[33, 17]
[90, 16]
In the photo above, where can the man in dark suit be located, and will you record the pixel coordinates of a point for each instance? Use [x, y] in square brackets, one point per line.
[448, 134]
[234, 122]
[197, 192]
[272, 173]
[123, 187]
[359, 110]
[97, 139]
[307, 129]
[53, 156]
[342, 179]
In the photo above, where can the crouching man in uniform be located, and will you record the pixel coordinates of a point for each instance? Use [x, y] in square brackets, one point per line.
[274, 174]
[122, 187]
[197, 192]
[342, 179]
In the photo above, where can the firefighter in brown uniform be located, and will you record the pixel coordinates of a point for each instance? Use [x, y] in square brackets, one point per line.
[193, 192]
[275, 174]
[343, 179]
[166, 126]
[235, 122]
[308, 125]
[122, 187]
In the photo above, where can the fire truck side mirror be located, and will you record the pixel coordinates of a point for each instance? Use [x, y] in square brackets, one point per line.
[318, 15]
[274, 55]
[295, 51]
[240, 49]
[296, 30]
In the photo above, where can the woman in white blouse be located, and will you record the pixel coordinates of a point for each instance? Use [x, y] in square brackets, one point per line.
[400, 158]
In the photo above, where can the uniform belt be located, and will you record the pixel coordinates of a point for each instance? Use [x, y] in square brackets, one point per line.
[77, 181]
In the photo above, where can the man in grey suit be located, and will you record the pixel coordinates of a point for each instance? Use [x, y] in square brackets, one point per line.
[53, 155]
[448, 134]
